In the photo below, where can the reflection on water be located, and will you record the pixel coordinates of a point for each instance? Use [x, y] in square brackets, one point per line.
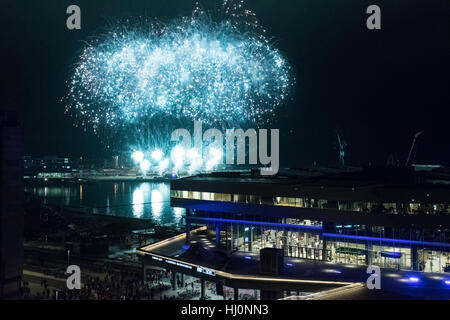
[138, 202]
[145, 200]
[157, 201]
[108, 209]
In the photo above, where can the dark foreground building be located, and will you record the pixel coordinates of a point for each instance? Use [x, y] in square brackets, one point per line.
[11, 205]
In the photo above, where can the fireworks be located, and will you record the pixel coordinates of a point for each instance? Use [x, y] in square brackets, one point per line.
[193, 68]
[180, 160]
[137, 82]
[157, 155]
[138, 156]
[145, 165]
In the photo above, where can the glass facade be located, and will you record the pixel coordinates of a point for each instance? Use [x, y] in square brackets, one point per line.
[433, 261]
[313, 246]
[347, 252]
[298, 244]
[305, 202]
[392, 257]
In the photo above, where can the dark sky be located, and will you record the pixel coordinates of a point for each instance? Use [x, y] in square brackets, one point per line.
[379, 87]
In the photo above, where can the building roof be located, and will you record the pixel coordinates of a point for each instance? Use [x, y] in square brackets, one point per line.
[389, 184]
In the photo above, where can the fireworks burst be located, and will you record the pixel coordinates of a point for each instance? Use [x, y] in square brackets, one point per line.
[195, 67]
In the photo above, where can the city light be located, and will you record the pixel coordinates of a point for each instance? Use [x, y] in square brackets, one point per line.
[331, 271]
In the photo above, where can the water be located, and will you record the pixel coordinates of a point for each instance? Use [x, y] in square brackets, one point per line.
[145, 200]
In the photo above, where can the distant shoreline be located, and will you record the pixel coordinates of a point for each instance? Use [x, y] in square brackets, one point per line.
[92, 179]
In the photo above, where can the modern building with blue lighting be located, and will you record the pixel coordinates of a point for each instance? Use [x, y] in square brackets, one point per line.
[397, 218]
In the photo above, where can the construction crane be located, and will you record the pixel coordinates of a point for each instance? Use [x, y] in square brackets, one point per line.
[342, 144]
[412, 147]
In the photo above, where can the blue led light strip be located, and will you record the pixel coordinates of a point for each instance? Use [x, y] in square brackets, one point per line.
[318, 228]
[427, 243]
[274, 224]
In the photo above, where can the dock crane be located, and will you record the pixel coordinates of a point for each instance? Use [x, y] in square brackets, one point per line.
[342, 145]
[412, 147]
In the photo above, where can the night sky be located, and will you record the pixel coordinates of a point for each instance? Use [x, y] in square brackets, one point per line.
[378, 87]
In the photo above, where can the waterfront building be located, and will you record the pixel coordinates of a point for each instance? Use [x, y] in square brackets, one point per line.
[392, 217]
[48, 167]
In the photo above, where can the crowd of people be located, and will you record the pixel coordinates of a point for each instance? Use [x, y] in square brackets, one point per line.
[123, 285]
[113, 285]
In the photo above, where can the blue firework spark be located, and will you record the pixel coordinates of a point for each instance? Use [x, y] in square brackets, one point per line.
[193, 67]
